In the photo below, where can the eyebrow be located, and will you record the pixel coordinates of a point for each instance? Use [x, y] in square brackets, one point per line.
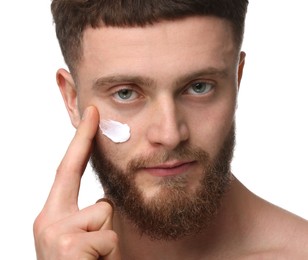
[119, 78]
[149, 82]
[208, 72]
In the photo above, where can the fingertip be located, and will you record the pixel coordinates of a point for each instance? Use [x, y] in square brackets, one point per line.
[89, 112]
[108, 201]
[89, 121]
[107, 207]
[86, 113]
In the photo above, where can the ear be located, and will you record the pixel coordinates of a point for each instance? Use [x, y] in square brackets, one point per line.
[241, 68]
[69, 93]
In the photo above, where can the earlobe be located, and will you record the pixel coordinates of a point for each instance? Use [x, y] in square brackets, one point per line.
[241, 67]
[69, 93]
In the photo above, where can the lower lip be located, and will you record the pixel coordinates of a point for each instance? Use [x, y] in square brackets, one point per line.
[164, 172]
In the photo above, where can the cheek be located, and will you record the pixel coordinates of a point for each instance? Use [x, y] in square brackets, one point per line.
[118, 153]
[116, 131]
[210, 129]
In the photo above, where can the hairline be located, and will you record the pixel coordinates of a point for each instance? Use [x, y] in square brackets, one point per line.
[74, 64]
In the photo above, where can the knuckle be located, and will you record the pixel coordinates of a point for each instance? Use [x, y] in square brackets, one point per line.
[50, 241]
[45, 238]
[65, 244]
[39, 224]
[112, 236]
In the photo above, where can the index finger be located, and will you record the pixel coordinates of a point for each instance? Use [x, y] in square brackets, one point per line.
[63, 197]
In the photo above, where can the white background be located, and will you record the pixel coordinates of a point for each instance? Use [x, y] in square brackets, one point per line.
[271, 154]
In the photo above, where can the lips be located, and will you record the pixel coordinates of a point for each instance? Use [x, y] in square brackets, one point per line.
[170, 168]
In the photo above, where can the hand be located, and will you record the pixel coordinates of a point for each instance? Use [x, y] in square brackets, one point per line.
[61, 230]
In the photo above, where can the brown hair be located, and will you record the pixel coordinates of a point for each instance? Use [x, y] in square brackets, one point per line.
[71, 17]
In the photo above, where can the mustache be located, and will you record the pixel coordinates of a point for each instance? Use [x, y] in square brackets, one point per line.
[181, 153]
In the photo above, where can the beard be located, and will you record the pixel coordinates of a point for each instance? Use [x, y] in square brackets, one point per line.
[173, 212]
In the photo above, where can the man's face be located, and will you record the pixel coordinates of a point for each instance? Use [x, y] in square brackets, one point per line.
[175, 84]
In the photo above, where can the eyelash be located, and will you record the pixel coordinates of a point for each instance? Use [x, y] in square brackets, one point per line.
[132, 92]
[188, 90]
[208, 85]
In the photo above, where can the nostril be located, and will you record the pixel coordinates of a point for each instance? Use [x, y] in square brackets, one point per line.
[168, 134]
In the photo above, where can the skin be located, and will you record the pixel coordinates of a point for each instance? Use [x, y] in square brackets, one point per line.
[165, 57]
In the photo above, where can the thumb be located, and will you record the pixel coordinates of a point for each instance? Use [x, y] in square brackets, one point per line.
[108, 224]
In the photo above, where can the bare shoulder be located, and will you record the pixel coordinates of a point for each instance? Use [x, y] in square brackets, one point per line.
[294, 235]
[278, 234]
[270, 232]
[285, 235]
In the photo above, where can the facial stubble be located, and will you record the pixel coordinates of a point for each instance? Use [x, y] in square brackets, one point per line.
[173, 213]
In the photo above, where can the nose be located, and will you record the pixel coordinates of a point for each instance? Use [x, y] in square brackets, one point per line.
[167, 127]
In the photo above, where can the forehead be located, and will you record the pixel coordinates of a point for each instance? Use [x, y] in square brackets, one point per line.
[164, 46]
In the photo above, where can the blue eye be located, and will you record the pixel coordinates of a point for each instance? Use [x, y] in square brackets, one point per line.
[125, 94]
[200, 88]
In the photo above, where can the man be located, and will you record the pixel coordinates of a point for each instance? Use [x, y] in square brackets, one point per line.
[167, 75]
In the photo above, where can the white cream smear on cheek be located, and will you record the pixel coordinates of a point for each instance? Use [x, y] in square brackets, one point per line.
[115, 131]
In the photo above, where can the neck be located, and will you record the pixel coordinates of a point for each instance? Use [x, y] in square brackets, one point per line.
[224, 232]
